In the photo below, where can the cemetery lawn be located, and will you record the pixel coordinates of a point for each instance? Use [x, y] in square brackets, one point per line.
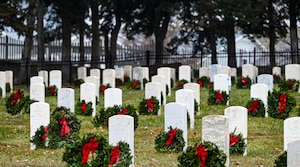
[265, 135]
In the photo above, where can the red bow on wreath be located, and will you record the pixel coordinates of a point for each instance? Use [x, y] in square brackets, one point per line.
[244, 81]
[52, 90]
[44, 136]
[254, 107]
[114, 156]
[233, 140]
[282, 103]
[171, 137]
[179, 85]
[65, 129]
[124, 111]
[134, 84]
[83, 107]
[17, 97]
[200, 82]
[104, 87]
[201, 154]
[150, 105]
[88, 147]
[291, 85]
[219, 97]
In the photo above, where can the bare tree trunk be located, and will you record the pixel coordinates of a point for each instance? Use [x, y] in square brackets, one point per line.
[40, 30]
[293, 31]
[66, 49]
[213, 47]
[271, 34]
[230, 36]
[96, 35]
[113, 41]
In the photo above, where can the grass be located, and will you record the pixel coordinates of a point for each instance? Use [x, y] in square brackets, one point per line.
[265, 135]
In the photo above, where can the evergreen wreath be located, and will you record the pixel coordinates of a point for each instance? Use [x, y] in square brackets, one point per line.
[120, 155]
[136, 85]
[101, 118]
[40, 138]
[289, 85]
[280, 104]
[119, 82]
[170, 142]
[243, 83]
[145, 81]
[78, 82]
[256, 107]
[104, 87]
[17, 101]
[64, 126]
[281, 160]
[217, 97]
[83, 108]
[180, 83]
[205, 154]
[7, 87]
[51, 90]
[149, 106]
[276, 79]
[237, 143]
[77, 151]
[203, 82]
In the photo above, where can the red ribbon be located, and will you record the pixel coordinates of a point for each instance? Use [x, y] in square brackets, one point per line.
[171, 136]
[244, 81]
[83, 107]
[219, 97]
[114, 156]
[179, 85]
[150, 105]
[52, 90]
[211, 86]
[88, 147]
[200, 82]
[44, 136]
[104, 87]
[233, 139]
[124, 111]
[254, 107]
[201, 154]
[134, 84]
[65, 129]
[17, 97]
[291, 85]
[282, 103]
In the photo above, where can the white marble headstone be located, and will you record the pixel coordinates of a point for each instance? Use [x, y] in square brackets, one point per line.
[213, 70]
[137, 75]
[96, 73]
[36, 79]
[203, 72]
[266, 79]
[37, 92]
[55, 78]
[44, 74]
[109, 77]
[221, 83]
[186, 96]
[184, 72]
[293, 154]
[166, 71]
[128, 71]
[87, 93]
[119, 73]
[95, 80]
[260, 91]
[276, 71]
[112, 96]
[66, 98]
[250, 71]
[291, 130]
[81, 73]
[2, 83]
[10, 79]
[153, 89]
[292, 71]
[196, 91]
[163, 82]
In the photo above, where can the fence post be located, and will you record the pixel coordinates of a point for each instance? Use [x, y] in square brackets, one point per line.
[148, 58]
[6, 47]
[254, 53]
[71, 73]
[27, 71]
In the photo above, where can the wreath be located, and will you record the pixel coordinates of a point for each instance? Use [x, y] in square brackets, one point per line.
[145, 81]
[104, 87]
[180, 83]
[101, 119]
[281, 160]
[280, 104]
[277, 79]
[51, 90]
[204, 154]
[64, 125]
[77, 151]
[83, 108]
[288, 85]
[17, 101]
[119, 82]
[40, 138]
[78, 82]
[126, 78]
[149, 106]
[203, 81]
[243, 83]
[256, 107]
[170, 142]
[135, 84]
[7, 87]
[217, 97]
[237, 143]
[120, 155]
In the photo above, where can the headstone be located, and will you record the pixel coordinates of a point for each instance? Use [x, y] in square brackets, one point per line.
[128, 71]
[81, 73]
[221, 83]
[153, 89]
[250, 71]
[238, 121]
[112, 96]
[213, 70]
[176, 116]
[39, 116]
[224, 70]
[65, 98]
[95, 80]
[137, 75]
[36, 80]
[173, 77]
[55, 78]
[109, 77]
[10, 79]
[163, 82]
[2, 83]
[184, 72]
[266, 79]
[96, 73]
[44, 74]
[196, 91]
[291, 131]
[233, 72]
[293, 154]
[145, 73]
[166, 71]
[215, 129]
[37, 92]
[292, 71]
[276, 71]
[186, 96]
[119, 72]
[204, 72]
[121, 128]
[260, 91]
[87, 93]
